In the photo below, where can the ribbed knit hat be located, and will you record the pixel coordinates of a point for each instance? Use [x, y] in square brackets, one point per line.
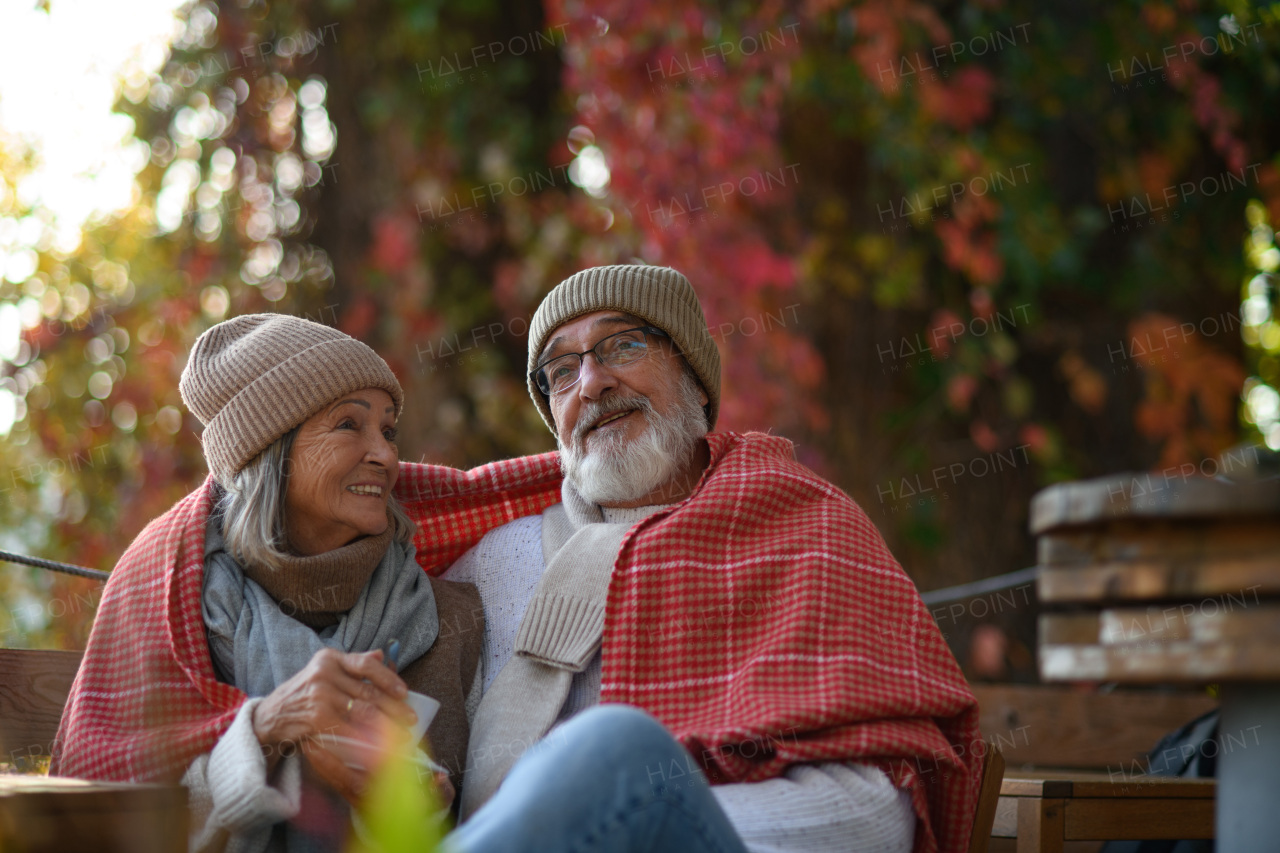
[660, 296]
[252, 379]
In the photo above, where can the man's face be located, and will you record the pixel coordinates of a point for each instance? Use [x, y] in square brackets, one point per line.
[628, 434]
[580, 418]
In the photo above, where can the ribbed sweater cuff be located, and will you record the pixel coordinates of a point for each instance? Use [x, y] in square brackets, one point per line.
[561, 630]
[243, 799]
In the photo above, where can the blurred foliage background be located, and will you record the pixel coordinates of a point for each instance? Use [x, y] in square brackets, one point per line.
[957, 251]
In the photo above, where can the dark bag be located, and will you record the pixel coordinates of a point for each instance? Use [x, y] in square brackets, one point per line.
[1191, 752]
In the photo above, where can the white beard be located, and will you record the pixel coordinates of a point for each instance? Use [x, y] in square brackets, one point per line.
[608, 469]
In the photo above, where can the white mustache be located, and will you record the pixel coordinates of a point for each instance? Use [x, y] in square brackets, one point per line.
[592, 412]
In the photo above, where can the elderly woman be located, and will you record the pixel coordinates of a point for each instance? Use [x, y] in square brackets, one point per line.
[248, 623]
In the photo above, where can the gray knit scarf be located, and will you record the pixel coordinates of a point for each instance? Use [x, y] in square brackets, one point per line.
[259, 647]
[256, 645]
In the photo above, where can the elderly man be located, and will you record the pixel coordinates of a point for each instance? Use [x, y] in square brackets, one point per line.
[714, 583]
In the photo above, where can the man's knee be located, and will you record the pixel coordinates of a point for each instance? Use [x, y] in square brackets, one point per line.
[617, 728]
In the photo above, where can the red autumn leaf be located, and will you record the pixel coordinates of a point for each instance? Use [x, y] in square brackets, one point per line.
[983, 436]
[359, 317]
[1034, 436]
[963, 102]
[960, 391]
[394, 243]
[944, 329]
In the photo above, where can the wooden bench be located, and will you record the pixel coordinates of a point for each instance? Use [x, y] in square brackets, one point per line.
[33, 691]
[34, 686]
[43, 813]
[1075, 766]
[1032, 728]
[1149, 578]
[54, 814]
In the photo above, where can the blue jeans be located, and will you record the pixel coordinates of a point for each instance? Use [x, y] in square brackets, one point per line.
[610, 780]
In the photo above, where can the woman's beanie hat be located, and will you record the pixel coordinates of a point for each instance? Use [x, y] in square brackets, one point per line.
[252, 379]
[660, 296]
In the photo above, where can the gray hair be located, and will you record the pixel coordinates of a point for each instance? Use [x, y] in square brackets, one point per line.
[252, 507]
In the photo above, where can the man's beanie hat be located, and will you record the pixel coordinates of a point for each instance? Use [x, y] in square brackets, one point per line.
[660, 296]
[252, 379]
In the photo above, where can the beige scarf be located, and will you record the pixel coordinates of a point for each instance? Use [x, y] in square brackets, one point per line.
[558, 636]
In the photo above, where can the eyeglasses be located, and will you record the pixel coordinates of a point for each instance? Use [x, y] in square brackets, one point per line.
[561, 373]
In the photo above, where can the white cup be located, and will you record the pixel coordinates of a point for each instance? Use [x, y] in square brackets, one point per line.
[425, 707]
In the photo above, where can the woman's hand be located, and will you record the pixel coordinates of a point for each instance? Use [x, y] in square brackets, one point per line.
[328, 768]
[334, 694]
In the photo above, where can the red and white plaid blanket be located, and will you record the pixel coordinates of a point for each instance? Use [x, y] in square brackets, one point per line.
[146, 701]
[765, 623]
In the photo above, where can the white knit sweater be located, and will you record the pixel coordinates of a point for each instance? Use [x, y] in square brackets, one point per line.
[234, 805]
[824, 808]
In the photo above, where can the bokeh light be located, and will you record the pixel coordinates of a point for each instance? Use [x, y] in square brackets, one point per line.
[76, 54]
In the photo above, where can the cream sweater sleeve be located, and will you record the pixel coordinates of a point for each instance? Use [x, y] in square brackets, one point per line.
[232, 802]
[833, 808]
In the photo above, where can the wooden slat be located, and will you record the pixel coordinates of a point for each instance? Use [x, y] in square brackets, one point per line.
[33, 690]
[45, 814]
[988, 799]
[1071, 629]
[1056, 726]
[1006, 822]
[1088, 819]
[1185, 542]
[1020, 784]
[1208, 621]
[1115, 786]
[1040, 825]
[1205, 621]
[1118, 785]
[55, 789]
[1143, 495]
[1231, 579]
[1162, 663]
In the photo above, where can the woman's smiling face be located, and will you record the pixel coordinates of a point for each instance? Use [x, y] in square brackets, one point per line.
[342, 468]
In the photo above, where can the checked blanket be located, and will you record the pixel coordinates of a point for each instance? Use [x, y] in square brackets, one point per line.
[765, 623]
[146, 702]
